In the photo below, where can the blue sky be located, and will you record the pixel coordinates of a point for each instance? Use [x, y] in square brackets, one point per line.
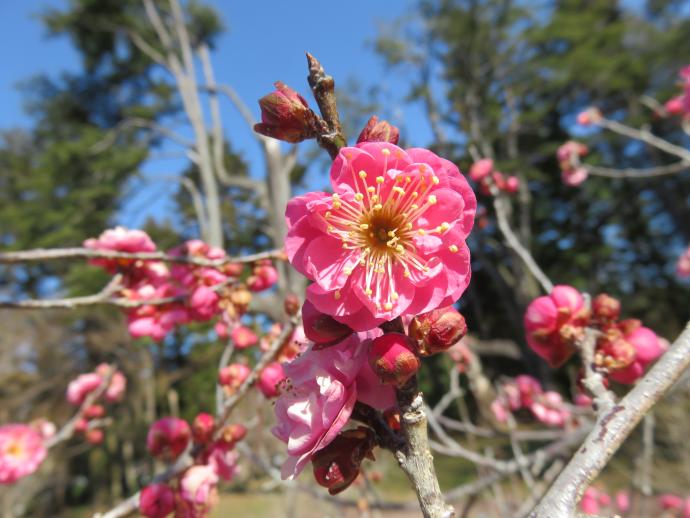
[265, 42]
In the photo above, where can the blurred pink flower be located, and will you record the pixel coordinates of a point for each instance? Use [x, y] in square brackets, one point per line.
[223, 460]
[574, 177]
[82, 386]
[168, 438]
[683, 264]
[481, 169]
[198, 490]
[648, 347]
[21, 452]
[243, 337]
[119, 239]
[390, 241]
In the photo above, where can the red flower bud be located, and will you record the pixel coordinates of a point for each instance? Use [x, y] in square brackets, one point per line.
[337, 465]
[437, 330]
[320, 328]
[202, 428]
[156, 501]
[168, 438]
[285, 115]
[392, 358]
[81, 426]
[605, 308]
[379, 131]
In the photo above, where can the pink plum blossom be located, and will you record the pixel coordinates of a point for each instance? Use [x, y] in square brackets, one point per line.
[198, 490]
[554, 322]
[389, 241]
[82, 386]
[269, 378]
[233, 375]
[512, 184]
[481, 169]
[550, 409]
[574, 177]
[570, 151]
[317, 400]
[243, 337]
[119, 239]
[21, 452]
[156, 501]
[168, 438]
[263, 278]
[223, 460]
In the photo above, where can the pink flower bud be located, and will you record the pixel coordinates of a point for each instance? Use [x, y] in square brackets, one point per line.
[321, 328]
[168, 438]
[82, 386]
[243, 337]
[437, 330]
[574, 177]
[223, 460]
[623, 501]
[589, 503]
[589, 116]
[337, 465]
[221, 329]
[233, 375]
[481, 169]
[203, 303]
[285, 115]
[269, 379]
[94, 412]
[392, 358]
[674, 106]
[116, 388]
[647, 346]
[683, 264]
[203, 427]
[605, 308]
[553, 323]
[379, 131]
[81, 425]
[94, 436]
[156, 501]
[512, 184]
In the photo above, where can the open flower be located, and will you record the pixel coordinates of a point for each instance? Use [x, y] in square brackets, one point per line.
[319, 394]
[389, 241]
[21, 452]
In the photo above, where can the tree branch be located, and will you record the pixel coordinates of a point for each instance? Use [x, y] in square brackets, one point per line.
[611, 430]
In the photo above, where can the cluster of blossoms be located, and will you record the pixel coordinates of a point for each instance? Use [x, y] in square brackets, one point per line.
[556, 323]
[573, 173]
[387, 245]
[192, 493]
[525, 392]
[680, 104]
[483, 172]
[85, 384]
[182, 293]
[683, 264]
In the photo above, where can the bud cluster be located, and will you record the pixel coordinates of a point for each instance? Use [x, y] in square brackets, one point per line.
[483, 172]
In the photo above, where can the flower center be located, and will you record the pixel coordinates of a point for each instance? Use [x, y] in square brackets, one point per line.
[379, 226]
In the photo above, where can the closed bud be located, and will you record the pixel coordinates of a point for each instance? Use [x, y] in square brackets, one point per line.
[233, 375]
[291, 304]
[285, 115]
[156, 501]
[337, 465]
[379, 131]
[437, 330]
[202, 428]
[320, 328]
[605, 308]
[168, 438]
[392, 358]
